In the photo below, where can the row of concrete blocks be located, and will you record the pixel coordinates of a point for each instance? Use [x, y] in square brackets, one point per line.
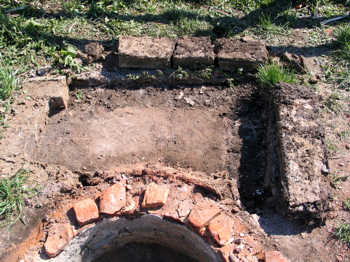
[190, 52]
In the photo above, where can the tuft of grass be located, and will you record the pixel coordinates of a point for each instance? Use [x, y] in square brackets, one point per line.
[270, 74]
[343, 42]
[342, 232]
[8, 82]
[266, 27]
[13, 192]
[347, 204]
[336, 179]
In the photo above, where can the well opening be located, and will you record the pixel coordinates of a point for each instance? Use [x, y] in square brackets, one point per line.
[147, 238]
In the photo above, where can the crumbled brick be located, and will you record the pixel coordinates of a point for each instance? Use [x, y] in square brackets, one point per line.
[221, 229]
[58, 237]
[85, 211]
[113, 199]
[201, 214]
[155, 196]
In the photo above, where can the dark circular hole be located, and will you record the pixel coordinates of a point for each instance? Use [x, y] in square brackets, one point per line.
[140, 252]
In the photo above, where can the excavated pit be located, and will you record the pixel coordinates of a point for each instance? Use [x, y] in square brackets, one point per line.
[215, 130]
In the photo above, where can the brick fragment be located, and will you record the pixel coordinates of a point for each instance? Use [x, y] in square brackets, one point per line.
[113, 199]
[226, 252]
[155, 196]
[221, 229]
[203, 213]
[85, 211]
[58, 237]
[274, 256]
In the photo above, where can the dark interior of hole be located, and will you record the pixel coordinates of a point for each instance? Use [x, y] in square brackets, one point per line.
[253, 115]
[140, 252]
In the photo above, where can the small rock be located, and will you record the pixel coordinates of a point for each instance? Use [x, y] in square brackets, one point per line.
[189, 101]
[85, 211]
[155, 196]
[313, 79]
[180, 96]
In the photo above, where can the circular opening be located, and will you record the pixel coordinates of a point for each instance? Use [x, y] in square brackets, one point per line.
[148, 238]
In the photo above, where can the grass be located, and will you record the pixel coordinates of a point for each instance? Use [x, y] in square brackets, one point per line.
[347, 204]
[270, 74]
[8, 82]
[343, 42]
[267, 28]
[342, 232]
[13, 192]
[336, 179]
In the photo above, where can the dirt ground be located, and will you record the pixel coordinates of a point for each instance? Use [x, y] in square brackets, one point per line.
[215, 130]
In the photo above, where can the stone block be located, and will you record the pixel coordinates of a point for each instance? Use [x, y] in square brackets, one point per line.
[113, 199]
[155, 196]
[58, 237]
[238, 53]
[300, 152]
[194, 52]
[145, 52]
[86, 211]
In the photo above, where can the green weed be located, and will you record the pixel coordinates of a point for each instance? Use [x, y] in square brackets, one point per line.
[343, 42]
[347, 204]
[342, 232]
[8, 82]
[336, 179]
[332, 104]
[13, 192]
[266, 27]
[270, 74]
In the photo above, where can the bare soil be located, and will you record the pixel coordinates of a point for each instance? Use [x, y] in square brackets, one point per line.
[218, 131]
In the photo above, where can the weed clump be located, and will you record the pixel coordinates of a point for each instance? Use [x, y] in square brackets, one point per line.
[270, 74]
[342, 232]
[343, 42]
[8, 82]
[13, 192]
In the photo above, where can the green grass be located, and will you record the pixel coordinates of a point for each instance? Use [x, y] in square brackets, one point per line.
[13, 192]
[270, 74]
[8, 82]
[347, 204]
[267, 28]
[342, 232]
[343, 42]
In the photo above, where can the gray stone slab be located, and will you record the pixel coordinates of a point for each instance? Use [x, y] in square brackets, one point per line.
[300, 151]
[194, 52]
[145, 52]
[238, 53]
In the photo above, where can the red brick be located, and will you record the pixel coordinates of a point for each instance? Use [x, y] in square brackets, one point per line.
[221, 229]
[58, 237]
[203, 213]
[85, 211]
[113, 199]
[274, 256]
[155, 196]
